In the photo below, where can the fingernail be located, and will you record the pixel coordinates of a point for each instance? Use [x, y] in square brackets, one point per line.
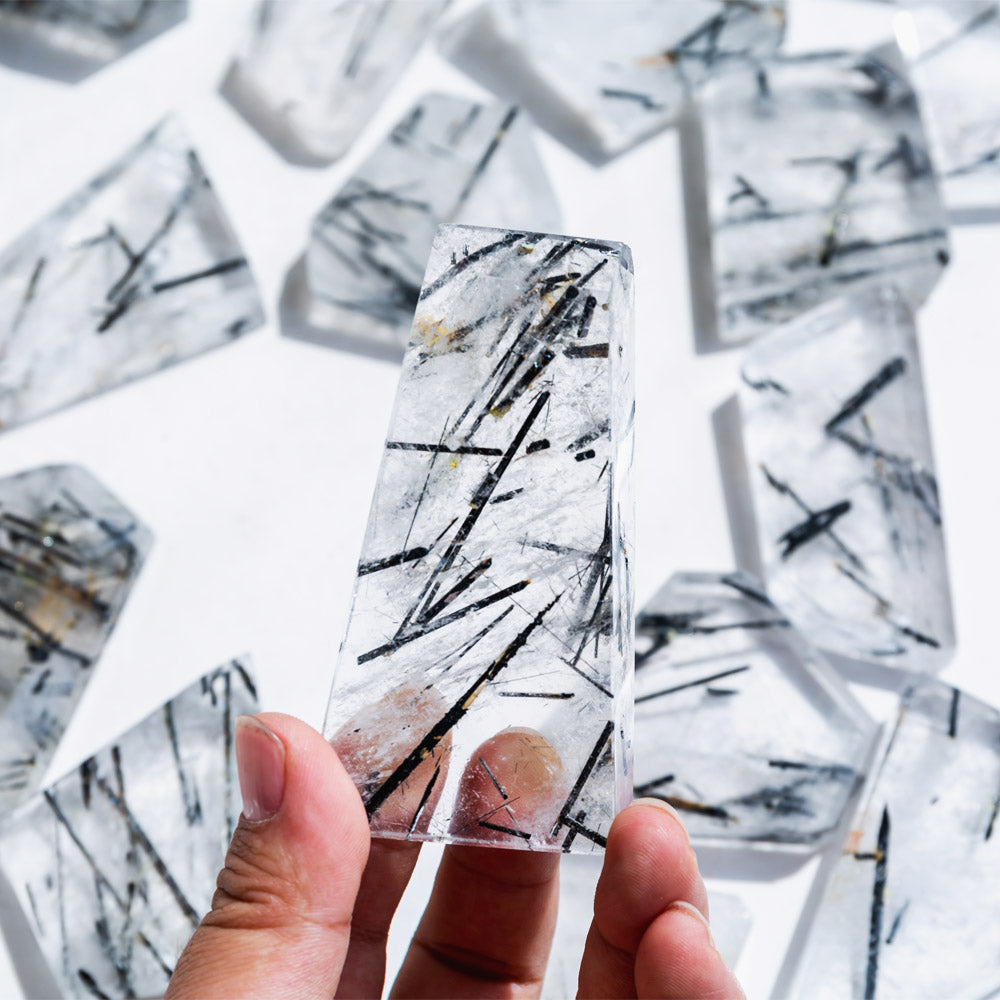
[260, 761]
[660, 804]
[692, 911]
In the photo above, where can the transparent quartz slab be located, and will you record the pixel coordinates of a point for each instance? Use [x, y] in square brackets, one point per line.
[739, 724]
[818, 182]
[578, 875]
[604, 75]
[115, 864]
[69, 554]
[842, 478]
[311, 73]
[136, 271]
[86, 32]
[913, 907]
[448, 159]
[955, 53]
[493, 589]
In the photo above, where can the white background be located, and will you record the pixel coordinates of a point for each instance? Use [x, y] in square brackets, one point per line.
[254, 465]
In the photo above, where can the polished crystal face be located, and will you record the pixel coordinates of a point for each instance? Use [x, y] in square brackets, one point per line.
[838, 449]
[819, 182]
[955, 51]
[606, 74]
[115, 864]
[135, 272]
[448, 159]
[311, 73]
[69, 554]
[739, 724]
[913, 906]
[483, 693]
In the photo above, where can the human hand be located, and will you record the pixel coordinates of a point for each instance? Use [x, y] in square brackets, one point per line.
[305, 899]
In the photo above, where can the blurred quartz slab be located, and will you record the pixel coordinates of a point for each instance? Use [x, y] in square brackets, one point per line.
[493, 589]
[739, 724]
[578, 875]
[69, 554]
[818, 182]
[955, 48]
[913, 907]
[115, 864]
[842, 477]
[604, 75]
[448, 159]
[311, 73]
[136, 271]
[73, 37]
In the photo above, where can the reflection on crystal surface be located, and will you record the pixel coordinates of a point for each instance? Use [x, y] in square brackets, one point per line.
[115, 864]
[913, 907]
[818, 182]
[448, 159]
[69, 553]
[606, 74]
[493, 589]
[739, 724]
[95, 30]
[956, 66]
[315, 71]
[842, 476]
[136, 271]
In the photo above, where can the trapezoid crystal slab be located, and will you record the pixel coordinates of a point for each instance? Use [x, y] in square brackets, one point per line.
[739, 724]
[137, 271]
[87, 32]
[69, 554]
[115, 864]
[842, 478]
[448, 159]
[955, 53]
[483, 692]
[311, 73]
[606, 74]
[818, 182]
[912, 910]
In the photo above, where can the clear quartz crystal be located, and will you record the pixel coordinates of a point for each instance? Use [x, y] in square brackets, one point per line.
[316, 70]
[818, 182]
[493, 589]
[448, 159]
[842, 477]
[69, 554]
[606, 74]
[955, 53]
[136, 271]
[739, 723]
[115, 864]
[912, 910]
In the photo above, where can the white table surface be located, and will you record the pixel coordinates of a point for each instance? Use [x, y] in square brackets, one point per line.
[254, 464]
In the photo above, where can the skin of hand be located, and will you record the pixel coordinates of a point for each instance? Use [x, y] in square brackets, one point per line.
[304, 902]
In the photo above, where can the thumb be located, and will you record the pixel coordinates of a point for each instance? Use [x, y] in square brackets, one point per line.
[281, 917]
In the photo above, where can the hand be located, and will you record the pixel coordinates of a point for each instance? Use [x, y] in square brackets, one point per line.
[305, 899]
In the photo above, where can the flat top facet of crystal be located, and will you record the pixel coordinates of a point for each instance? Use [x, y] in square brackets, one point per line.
[739, 724]
[314, 71]
[606, 74]
[97, 30]
[69, 554]
[115, 864]
[448, 159]
[491, 630]
[819, 182]
[136, 271]
[842, 477]
[955, 48]
[913, 906]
